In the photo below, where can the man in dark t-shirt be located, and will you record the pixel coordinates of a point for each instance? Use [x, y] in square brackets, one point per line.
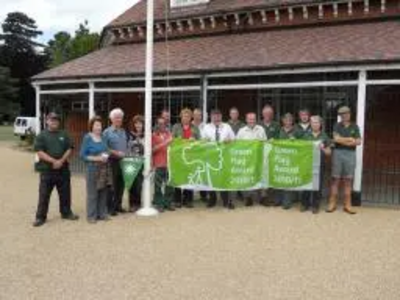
[53, 147]
[346, 136]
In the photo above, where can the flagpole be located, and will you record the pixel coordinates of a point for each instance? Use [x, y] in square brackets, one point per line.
[147, 194]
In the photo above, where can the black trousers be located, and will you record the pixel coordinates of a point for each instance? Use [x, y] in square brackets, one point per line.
[61, 180]
[114, 201]
[183, 196]
[224, 196]
[135, 193]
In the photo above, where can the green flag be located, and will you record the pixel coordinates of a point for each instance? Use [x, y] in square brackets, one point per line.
[291, 164]
[244, 165]
[131, 167]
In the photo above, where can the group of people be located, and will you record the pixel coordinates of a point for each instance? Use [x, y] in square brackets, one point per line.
[102, 150]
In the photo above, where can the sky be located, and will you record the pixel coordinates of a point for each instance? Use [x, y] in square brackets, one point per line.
[60, 15]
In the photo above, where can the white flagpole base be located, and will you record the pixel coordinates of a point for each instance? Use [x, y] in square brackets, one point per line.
[147, 212]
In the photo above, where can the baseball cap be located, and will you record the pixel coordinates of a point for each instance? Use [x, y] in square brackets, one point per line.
[344, 110]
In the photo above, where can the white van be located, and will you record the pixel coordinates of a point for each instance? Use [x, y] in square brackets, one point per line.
[23, 126]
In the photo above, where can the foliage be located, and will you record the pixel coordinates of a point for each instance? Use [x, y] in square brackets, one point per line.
[19, 52]
[8, 94]
[64, 47]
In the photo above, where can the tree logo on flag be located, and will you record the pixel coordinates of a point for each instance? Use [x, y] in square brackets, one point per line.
[131, 167]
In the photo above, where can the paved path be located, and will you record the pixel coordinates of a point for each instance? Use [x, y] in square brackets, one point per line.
[250, 253]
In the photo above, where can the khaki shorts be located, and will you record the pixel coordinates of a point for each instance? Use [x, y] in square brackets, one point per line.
[343, 163]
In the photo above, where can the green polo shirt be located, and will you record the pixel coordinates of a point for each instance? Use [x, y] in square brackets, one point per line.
[272, 130]
[53, 143]
[323, 137]
[236, 126]
[287, 135]
[301, 131]
[350, 131]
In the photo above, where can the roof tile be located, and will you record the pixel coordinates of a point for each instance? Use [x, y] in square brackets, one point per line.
[322, 45]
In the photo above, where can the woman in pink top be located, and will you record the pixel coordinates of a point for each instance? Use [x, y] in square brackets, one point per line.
[163, 193]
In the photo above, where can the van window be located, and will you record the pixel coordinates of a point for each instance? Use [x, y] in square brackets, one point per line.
[17, 122]
[24, 122]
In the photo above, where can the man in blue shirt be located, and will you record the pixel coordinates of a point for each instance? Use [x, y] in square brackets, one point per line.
[116, 140]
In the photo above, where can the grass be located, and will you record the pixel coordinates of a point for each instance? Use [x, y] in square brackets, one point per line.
[6, 134]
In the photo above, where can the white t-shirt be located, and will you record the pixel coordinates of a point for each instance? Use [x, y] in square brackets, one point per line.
[225, 132]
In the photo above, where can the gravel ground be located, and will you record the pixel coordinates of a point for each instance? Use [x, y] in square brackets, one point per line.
[249, 253]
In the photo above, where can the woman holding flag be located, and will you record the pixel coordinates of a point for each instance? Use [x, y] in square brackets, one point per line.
[313, 198]
[185, 130]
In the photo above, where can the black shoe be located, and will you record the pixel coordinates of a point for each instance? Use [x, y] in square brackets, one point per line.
[70, 217]
[211, 204]
[249, 202]
[113, 213]
[170, 208]
[230, 206]
[189, 205]
[303, 208]
[38, 222]
[121, 210]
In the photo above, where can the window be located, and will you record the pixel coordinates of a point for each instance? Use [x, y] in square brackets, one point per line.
[182, 3]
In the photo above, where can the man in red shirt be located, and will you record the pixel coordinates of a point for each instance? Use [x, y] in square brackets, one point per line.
[161, 139]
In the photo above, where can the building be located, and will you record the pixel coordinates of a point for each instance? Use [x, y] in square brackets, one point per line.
[246, 53]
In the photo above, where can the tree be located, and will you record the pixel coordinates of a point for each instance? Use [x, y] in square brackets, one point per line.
[20, 54]
[8, 94]
[63, 47]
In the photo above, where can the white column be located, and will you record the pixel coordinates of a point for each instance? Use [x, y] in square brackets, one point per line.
[204, 97]
[361, 108]
[37, 109]
[147, 190]
[92, 111]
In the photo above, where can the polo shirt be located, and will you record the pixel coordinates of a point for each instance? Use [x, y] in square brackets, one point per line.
[322, 136]
[351, 131]
[287, 135]
[236, 125]
[272, 129]
[302, 129]
[54, 144]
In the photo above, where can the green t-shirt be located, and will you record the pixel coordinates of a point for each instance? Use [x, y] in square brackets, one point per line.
[53, 143]
[271, 130]
[236, 125]
[351, 131]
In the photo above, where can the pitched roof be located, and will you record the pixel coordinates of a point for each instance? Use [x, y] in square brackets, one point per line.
[322, 45]
[137, 13]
